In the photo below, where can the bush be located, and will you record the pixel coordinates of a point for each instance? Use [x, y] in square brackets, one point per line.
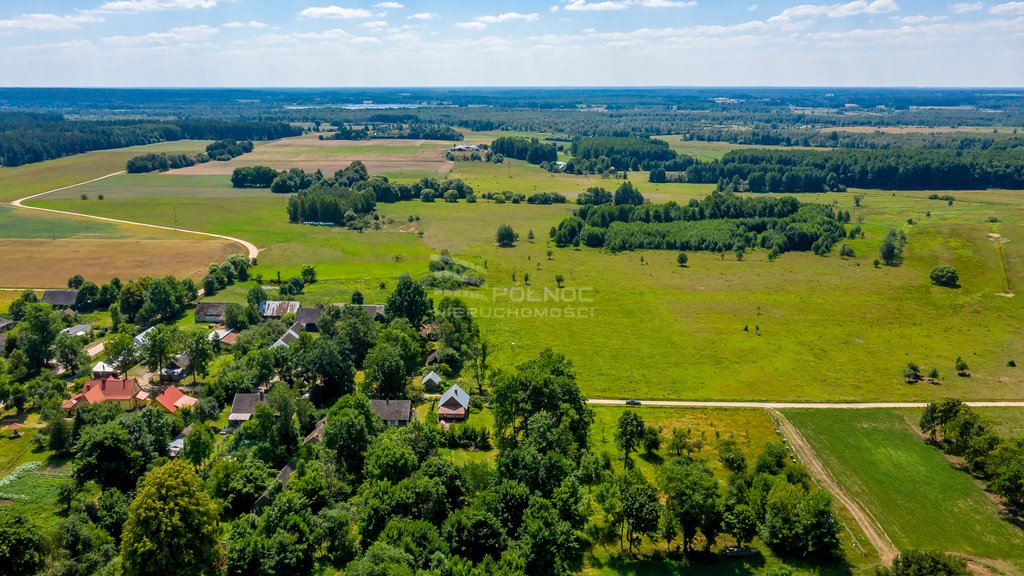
[945, 276]
[682, 259]
[506, 237]
[917, 563]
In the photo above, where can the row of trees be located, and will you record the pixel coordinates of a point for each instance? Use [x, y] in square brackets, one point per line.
[224, 150]
[162, 162]
[28, 138]
[531, 150]
[396, 131]
[599, 153]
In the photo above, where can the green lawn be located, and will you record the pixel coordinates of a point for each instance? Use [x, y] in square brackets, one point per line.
[1007, 422]
[917, 497]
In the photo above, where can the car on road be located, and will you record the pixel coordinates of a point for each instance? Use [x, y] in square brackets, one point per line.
[632, 402]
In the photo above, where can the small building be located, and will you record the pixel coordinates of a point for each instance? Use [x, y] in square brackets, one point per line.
[226, 336]
[210, 312]
[172, 398]
[61, 298]
[103, 370]
[178, 444]
[453, 405]
[127, 394]
[243, 406]
[372, 310]
[177, 370]
[431, 358]
[432, 382]
[307, 318]
[317, 435]
[77, 330]
[287, 340]
[393, 412]
[6, 324]
[142, 337]
[278, 308]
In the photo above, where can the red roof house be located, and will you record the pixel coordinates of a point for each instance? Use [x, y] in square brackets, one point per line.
[171, 399]
[125, 393]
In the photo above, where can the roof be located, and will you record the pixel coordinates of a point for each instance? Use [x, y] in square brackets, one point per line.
[230, 339]
[219, 335]
[307, 316]
[457, 394]
[207, 309]
[103, 367]
[243, 406]
[77, 330]
[289, 337]
[317, 435]
[278, 308]
[445, 411]
[432, 377]
[431, 358]
[112, 390]
[141, 337]
[371, 309]
[400, 410]
[172, 398]
[60, 297]
[6, 324]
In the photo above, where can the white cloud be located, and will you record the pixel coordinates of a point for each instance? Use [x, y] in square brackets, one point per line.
[507, 17]
[179, 35]
[918, 19]
[554, 8]
[424, 16]
[389, 5]
[667, 3]
[753, 7]
[48, 21]
[855, 8]
[249, 24]
[606, 5]
[155, 5]
[339, 12]
[375, 24]
[964, 7]
[1008, 9]
[471, 25]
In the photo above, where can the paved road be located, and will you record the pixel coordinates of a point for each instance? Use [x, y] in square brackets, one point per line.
[249, 246]
[796, 405]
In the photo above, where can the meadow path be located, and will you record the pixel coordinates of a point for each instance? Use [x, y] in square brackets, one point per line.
[19, 203]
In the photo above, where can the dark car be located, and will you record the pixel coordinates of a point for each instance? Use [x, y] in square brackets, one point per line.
[632, 402]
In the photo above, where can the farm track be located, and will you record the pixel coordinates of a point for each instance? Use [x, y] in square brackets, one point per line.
[19, 203]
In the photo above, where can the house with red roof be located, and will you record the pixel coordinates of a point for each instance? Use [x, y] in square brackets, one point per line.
[172, 398]
[127, 394]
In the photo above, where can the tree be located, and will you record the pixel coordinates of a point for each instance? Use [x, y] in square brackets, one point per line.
[640, 512]
[308, 274]
[409, 301]
[945, 276]
[731, 455]
[389, 458]
[847, 251]
[171, 513]
[21, 546]
[627, 195]
[255, 296]
[961, 367]
[891, 250]
[200, 352]
[506, 237]
[692, 499]
[682, 259]
[925, 563]
[740, 522]
[39, 329]
[69, 353]
[121, 351]
[912, 373]
[682, 442]
[628, 434]
[357, 329]
[199, 444]
[75, 282]
[163, 343]
[107, 455]
[857, 199]
[559, 279]
[357, 298]
[546, 543]
[385, 372]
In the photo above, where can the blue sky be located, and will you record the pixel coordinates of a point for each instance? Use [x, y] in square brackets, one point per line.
[501, 43]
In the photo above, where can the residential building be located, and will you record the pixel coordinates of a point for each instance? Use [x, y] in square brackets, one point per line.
[172, 399]
[453, 405]
[243, 406]
[210, 312]
[127, 394]
[393, 412]
[61, 298]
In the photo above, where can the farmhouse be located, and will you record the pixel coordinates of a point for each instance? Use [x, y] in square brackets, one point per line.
[210, 312]
[77, 330]
[393, 412]
[288, 339]
[453, 405]
[61, 298]
[172, 398]
[243, 406]
[226, 336]
[177, 369]
[124, 393]
[307, 318]
[103, 370]
[372, 310]
[6, 324]
[432, 382]
[278, 309]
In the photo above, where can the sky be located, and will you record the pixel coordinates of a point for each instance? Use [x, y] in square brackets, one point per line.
[341, 43]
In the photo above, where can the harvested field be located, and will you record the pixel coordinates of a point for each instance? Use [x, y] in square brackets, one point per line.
[49, 263]
[391, 157]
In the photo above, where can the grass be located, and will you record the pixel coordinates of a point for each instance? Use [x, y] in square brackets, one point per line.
[917, 497]
[1008, 422]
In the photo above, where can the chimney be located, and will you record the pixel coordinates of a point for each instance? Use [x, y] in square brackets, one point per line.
[103, 384]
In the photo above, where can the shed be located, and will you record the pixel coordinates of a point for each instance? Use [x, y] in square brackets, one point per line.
[6, 324]
[210, 312]
[278, 308]
[432, 382]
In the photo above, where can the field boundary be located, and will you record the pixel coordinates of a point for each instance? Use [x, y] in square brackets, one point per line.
[251, 248]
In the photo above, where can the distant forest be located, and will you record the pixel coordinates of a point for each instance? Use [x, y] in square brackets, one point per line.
[26, 138]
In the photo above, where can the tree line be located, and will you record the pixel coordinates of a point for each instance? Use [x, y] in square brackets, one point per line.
[530, 150]
[28, 138]
[396, 131]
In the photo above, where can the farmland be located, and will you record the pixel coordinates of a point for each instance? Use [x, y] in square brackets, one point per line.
[916, 496]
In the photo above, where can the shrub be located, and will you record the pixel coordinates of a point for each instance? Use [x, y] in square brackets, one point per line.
[945, 276]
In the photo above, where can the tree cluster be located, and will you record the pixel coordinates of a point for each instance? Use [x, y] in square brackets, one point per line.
[531, 150]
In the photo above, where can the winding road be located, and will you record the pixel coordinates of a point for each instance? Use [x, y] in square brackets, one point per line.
[253, 251]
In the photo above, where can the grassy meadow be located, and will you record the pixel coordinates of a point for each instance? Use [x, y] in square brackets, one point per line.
[909, 487]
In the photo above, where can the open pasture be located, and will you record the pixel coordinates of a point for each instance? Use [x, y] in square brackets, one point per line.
[390, 157]
[909, 487]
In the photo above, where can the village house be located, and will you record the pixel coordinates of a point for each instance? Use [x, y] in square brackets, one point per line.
[176, 370]
[142, 337]
[127, 394]
[289, 337]
[307, 318]
[61, 298]
[432, 382]
[226, 336]
[243, 406]
[103, 370]
[210, 312]
[77, 330]
[278, 309]
[172, 398]
[6, 324]
[453, 405]
[393, 412]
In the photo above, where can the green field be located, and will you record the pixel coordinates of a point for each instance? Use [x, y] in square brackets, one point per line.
[913, 492]
[818, 328]
[1007, 422]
